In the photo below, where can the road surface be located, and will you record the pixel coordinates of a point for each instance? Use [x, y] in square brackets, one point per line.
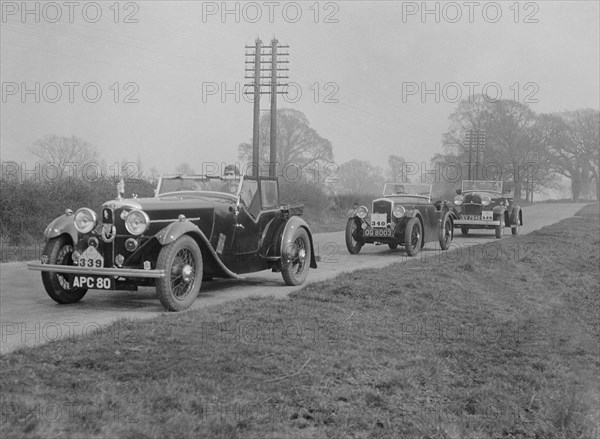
[29, 317]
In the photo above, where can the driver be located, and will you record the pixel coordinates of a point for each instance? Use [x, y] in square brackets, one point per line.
[231, 179]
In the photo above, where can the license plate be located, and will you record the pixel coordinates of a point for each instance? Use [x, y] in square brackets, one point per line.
[487, 215]
[90, 258]
[472, 217]
[378, 220]
[95, 282]
[379, 233]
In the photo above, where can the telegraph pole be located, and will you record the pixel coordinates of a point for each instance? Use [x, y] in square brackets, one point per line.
[256, 93]
[271, 53]
[475, 137]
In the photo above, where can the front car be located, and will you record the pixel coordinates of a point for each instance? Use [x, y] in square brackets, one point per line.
[194, 227]
[485, 205]
[402, 216]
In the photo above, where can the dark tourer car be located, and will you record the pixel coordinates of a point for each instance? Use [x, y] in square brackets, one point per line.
[486, 205]
[404, 216]
[195, 228]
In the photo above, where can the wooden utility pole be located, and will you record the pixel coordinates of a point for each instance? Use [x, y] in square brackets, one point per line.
[257, 82]
[256, 93]
[273, 140]
[475, 137]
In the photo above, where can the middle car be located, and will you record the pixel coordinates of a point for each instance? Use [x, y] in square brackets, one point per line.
[404, 216]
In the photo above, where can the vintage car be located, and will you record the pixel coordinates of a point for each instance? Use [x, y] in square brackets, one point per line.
[484, 205]
[404, 216]
[194, 228]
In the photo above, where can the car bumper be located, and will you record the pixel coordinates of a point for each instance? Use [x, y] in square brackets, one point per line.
[119, 272]
[459, 222]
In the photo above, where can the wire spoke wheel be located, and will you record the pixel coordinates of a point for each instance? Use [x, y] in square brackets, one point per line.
[182, 262]
[446, 233]
[296, 258]
[59, 251]
[353, 237]
[182, 273]
[413, 236]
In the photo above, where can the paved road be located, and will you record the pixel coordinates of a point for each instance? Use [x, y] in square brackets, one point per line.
[29, 317]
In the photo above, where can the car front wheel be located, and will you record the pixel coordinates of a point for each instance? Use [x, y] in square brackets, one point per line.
[413, 237]
[352, 243]
[182, 262]
[500, 228]
[446, 232]
[60, 252]
[295, 270]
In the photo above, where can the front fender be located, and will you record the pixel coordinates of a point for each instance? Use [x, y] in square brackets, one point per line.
[180, 228]
[351, 213]
[177, 229]
[64, 224]
[498, 210]
[287, 237]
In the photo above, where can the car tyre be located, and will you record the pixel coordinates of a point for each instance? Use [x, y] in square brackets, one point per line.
[446, 232]
[393, 245]
[515, 230]
[352, 244]
[500, 228]
[413, 237]
[60, 252]
[182, 262]
[294, 272]
[464, 230]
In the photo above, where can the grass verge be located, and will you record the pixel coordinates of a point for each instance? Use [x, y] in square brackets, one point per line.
[499, 341]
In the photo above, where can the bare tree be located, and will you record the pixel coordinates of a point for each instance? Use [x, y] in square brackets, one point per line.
[395, 168]
[360, 177]
[184, 168]
[64, 152]
[298, 144]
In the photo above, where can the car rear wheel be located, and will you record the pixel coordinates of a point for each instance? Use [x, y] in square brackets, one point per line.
[182, 262]
[413, 237]
[464, 230]
[446, 232]
[295, 270]
[60, 252]
[352, 243]
[500, 228]
[393, 245]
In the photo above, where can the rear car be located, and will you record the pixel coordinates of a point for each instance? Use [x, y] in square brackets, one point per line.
[486, 205]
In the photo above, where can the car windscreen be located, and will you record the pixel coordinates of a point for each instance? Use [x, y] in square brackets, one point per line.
[407, 189]
[482, 186]
[198, 184]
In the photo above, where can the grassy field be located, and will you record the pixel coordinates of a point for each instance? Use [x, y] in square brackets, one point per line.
[499, 341]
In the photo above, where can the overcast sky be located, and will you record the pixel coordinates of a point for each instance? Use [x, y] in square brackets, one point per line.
[367, 53]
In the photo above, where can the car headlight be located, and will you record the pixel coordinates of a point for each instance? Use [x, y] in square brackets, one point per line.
[85, 220]
[485, 200]
[137, 222]
[362, 212]
[399, 211]
[458, 200]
